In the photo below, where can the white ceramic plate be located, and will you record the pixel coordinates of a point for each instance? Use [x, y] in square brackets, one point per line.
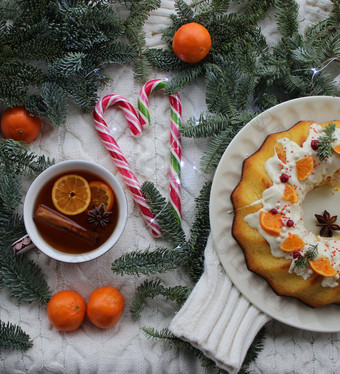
[249, 139]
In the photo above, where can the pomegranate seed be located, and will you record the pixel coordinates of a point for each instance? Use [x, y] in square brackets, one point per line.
[284, 178]
[273, 211]
[314, 144]
[290, 223]
[296, 254]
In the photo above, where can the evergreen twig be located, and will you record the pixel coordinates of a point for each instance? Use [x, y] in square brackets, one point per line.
[150, 289]
[13, 337]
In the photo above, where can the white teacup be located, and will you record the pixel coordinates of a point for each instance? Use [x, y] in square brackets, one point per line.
[65, 167]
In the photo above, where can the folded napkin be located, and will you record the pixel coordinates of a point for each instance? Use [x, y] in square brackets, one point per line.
[216, 318]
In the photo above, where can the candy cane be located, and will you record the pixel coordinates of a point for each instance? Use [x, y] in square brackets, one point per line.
[175, 138]
[118, 157]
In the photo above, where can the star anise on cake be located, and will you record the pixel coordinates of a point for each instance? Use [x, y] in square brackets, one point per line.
[327, 223]
[98, 216]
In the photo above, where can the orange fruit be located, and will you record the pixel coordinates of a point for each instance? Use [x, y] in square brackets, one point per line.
[101, 193]
[66, 310]
[323, 267]
[271, 223]
[18, 124]
[290, 194]
[304, 167]
[336, 149]
[105, 307]
[191, 42]
[71, 194]
[292, 243]
[281, 154]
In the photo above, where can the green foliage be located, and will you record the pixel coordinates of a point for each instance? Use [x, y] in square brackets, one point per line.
[148, 262]
[243, 75]
[54, 51]
[326, 140]
[23, 278]
[151, 289]
[13, 337]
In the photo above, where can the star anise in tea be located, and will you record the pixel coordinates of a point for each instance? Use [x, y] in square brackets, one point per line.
[98, 216]
[327, 223]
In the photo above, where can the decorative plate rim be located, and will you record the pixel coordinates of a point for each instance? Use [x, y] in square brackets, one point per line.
[256, 289]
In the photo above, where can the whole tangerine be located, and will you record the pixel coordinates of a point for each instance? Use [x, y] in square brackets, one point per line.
[105, 307]
[66, 310]
[18, 124]
[191, 42]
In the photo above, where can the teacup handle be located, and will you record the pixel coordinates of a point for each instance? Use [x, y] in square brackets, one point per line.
[22, 245]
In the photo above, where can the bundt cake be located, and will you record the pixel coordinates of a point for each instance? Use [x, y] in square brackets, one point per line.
[268, 219]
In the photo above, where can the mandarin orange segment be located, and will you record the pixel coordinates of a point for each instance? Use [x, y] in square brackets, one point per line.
[290, 194]
[71, 194]
[336, 149]
[292, 243]
[304, 167]
[323, 267]
[101, 193]
[271, 223]
[281, 154]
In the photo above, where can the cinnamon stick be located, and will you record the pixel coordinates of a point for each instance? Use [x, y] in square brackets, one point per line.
[51, 217]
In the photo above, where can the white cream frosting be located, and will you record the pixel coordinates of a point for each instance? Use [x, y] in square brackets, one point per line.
[272, 198]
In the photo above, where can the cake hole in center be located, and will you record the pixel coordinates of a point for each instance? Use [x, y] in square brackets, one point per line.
[316, 202]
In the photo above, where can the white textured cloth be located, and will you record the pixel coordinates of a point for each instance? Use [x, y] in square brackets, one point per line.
[124, 348]
[216, 318]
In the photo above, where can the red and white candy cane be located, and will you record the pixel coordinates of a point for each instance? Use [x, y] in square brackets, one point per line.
[175, 138]
[117, 155]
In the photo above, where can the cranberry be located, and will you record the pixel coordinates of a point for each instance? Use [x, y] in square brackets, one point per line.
[314, 144]
[284, 178]
[290, 223]
[296, 254]
[273, 211]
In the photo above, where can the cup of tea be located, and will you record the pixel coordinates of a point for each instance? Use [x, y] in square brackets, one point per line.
[74, 211]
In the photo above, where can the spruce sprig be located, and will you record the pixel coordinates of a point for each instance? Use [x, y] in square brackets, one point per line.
[310, 255]
[148, 261]
[149, 289]
[13, 337]
[326, 140]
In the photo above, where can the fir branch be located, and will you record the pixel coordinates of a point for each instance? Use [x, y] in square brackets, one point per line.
[13, 337]
[199, 234]
[217, 146]
[24, 278]
[165, 218]
[310, 255]
[151, 289]
[286, 14]
[207, 125]
[11, 227]
[16, 158]
[10, 191]
[325, 149]
[148, 262]
[183, 79]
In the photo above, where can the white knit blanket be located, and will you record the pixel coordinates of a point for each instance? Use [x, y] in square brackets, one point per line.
[222, 328]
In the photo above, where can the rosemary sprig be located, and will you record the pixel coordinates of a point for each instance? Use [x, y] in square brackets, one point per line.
[310, 255]
[325, 142]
